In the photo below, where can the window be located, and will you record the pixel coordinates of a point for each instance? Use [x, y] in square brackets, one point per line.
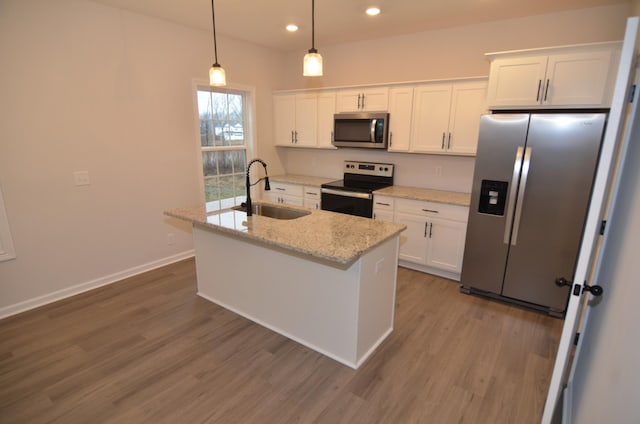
[224, 139]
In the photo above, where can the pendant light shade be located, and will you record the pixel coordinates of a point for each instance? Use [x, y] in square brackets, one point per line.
[312, 65]
[217, 75]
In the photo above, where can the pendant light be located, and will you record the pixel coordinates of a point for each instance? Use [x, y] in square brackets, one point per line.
[312, 66]
[216, 73]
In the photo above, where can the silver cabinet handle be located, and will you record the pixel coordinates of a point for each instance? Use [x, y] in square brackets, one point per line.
[512, 193]
[296, 138]
[449, 142]
[359, 101]
[291, 136]
[442, 147]
[521, 189]
[538, 95]
[280, 188]
[383, 204]
[390, 138]
[426, 224]
[430, 210]
[430, 228]
[310, 193]
[363, 101]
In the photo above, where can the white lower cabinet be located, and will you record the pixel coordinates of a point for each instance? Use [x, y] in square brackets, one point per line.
[285, 193]
[434, 239]
[311, 197]
[294, 194]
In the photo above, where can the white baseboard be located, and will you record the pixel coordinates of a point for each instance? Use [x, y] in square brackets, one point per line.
[429, 270]
[90, 285]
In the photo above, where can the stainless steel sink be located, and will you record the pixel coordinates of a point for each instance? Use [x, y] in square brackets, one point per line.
[271, 211]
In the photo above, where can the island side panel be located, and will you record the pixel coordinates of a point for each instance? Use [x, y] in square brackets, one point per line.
[378, 275]
[309, 302]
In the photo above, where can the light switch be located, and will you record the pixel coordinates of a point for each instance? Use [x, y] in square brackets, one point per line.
[81, 178]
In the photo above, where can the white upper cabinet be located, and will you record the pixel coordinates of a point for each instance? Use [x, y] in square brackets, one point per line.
[363, 100]
[400, 108]
[564, 77]
[446, 117]
[304, 119]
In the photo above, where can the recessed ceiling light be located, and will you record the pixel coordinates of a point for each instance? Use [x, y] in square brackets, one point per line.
[373, 11]
[292, 27]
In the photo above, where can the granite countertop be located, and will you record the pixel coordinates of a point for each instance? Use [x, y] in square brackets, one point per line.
[302, 179]
[332, 237]
[426, 194]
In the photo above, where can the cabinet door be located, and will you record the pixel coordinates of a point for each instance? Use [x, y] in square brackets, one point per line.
[578, 79]
[305, 131]
[383, 215]
[370, 99]
[375, 99]
[284, 114]
[349, 100]
[413, 240]
[326, 110]
[430, 118]
[468, 103]
[400, 108]
[446, 244]
[515, 82]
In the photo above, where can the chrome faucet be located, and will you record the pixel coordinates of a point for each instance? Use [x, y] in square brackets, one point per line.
[267, 187]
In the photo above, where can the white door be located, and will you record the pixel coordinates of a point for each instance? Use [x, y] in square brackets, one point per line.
[603, 383]
[612, 135]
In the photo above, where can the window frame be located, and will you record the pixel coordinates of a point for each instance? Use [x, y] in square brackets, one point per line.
[7, 249]
[249, 109]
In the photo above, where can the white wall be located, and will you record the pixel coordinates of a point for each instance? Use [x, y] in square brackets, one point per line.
[88, 87]
[448, 53]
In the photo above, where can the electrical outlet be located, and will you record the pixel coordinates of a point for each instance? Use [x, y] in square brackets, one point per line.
[171, 239]
[81, 178]
[379, 265]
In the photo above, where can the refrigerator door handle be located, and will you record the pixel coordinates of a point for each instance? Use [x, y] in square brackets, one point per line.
[523, 185]
[512, 194]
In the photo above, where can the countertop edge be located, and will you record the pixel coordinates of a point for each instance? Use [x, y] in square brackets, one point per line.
[341, 262]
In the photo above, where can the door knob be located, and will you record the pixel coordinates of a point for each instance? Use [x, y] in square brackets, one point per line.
[595, 290]
[561, 282]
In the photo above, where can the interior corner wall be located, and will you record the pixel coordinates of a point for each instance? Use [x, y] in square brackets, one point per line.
[87, 87]
[439, 54]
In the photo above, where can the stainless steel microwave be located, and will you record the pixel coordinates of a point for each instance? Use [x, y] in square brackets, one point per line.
[369, 130]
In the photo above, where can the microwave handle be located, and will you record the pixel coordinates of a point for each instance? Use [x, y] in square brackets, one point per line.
[372, 130]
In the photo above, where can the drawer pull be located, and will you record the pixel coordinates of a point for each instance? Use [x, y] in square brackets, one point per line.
[281, 189]
[310, 193]
[430, 210]
[383, 204]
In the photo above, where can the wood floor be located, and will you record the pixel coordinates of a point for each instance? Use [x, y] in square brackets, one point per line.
[148, 350]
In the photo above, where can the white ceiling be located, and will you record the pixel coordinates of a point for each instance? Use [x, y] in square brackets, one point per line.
[337, 21]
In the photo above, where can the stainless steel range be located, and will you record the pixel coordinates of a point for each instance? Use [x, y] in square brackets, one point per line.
[353, 195]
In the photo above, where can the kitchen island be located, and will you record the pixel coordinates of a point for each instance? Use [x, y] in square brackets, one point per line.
[325, 280]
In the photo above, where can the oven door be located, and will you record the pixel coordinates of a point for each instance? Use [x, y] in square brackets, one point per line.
[348, 202]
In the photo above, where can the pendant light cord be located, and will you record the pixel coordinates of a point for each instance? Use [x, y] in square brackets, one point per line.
[313, 25]
[215, 47]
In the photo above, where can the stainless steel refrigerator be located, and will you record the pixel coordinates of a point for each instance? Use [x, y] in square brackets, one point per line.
[531, 187]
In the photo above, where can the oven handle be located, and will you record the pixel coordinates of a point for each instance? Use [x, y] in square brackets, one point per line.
[347, 193]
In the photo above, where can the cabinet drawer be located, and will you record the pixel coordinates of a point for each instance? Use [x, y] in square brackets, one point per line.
[432, 209]
[383, 203]
[285, 188]
[311, 192]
